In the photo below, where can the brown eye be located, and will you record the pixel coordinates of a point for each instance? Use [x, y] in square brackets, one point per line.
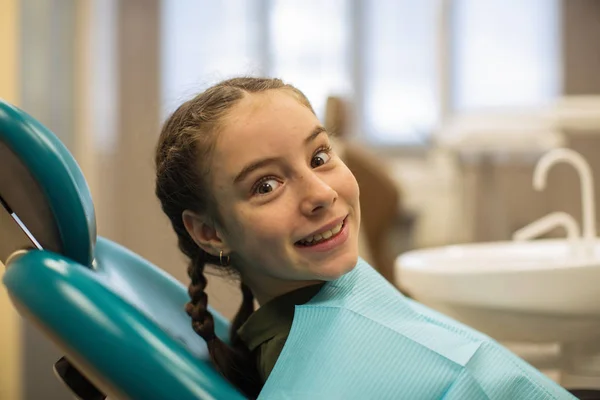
[266, 186]
[322, 157]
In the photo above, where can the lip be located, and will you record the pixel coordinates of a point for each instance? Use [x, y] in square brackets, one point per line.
[327, 227]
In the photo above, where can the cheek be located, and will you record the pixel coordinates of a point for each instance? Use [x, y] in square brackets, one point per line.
[260, 226]
[348, 187]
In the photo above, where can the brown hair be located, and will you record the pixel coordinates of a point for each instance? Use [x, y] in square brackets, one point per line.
[183, 158]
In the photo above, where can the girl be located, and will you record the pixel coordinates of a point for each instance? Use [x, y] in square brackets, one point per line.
[248, 178]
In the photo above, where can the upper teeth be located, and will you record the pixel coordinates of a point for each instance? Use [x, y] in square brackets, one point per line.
[323, 235]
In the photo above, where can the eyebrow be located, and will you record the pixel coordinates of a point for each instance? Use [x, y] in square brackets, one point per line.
[313, 135]
[247, 170]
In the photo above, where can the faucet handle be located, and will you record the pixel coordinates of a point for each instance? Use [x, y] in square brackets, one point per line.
[547, 223]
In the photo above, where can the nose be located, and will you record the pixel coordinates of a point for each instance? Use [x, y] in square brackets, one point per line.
[316, 194]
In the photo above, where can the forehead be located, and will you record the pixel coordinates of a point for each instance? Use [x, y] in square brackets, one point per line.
[263, 125]
[265, 114]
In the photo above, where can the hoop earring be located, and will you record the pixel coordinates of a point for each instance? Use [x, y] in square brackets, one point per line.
[224, 261]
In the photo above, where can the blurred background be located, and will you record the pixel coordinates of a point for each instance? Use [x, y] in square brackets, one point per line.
[442, 108]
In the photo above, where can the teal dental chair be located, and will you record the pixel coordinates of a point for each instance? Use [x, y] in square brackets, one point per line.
[119, 320]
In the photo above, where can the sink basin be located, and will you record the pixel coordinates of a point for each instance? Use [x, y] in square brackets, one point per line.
[535, 291]
[541, 276]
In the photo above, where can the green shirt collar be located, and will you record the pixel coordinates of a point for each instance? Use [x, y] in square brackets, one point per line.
[275, 317]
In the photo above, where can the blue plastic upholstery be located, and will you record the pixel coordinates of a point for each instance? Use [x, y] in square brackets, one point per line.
[59, 177]
[124, 318]
[117, 317]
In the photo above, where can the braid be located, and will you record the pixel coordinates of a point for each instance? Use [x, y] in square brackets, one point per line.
[202, 320]
[234, 363]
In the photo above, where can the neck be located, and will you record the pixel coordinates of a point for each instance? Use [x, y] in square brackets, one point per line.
[266, 289]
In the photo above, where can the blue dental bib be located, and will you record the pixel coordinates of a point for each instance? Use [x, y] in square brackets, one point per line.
[359, 338]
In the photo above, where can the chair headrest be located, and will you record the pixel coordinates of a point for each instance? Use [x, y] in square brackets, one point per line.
[43, 185]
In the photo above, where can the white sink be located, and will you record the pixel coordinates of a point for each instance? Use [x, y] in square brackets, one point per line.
[540, 276]
[536, 279]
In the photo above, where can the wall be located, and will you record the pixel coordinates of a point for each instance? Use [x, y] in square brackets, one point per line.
[581, 47]
[10, 341]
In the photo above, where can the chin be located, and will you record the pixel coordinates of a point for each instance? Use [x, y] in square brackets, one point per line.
[338, 266]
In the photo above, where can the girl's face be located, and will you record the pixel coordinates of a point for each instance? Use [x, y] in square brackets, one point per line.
[289, 205]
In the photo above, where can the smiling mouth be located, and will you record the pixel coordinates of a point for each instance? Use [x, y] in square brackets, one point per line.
[322, 237]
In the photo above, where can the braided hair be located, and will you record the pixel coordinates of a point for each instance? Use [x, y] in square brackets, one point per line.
[183, 158]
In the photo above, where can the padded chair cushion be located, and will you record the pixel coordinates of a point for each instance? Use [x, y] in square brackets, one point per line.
[44, 187]
[122, 323]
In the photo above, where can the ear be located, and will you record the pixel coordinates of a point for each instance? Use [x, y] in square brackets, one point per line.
[204, 233]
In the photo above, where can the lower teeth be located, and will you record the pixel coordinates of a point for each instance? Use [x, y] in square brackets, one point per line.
[312, 243]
